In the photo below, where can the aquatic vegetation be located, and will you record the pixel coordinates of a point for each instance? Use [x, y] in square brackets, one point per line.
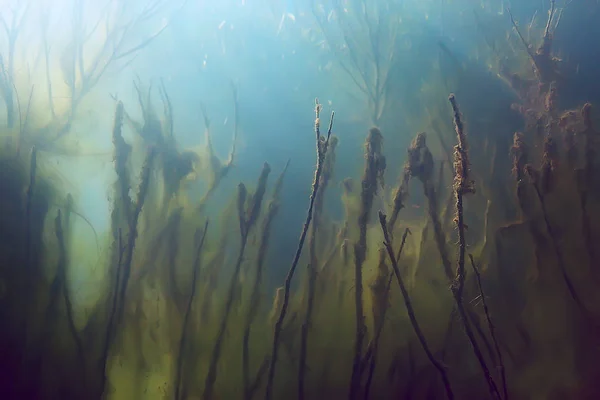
[368, 60]
[185, 304]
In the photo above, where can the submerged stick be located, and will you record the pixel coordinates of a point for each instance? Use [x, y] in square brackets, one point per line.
[121, 211]
[273, 209]
[400, 195]
[62, 275]
[132, 234]
[420, 165]
[124, 254]
[109, 332]
[28, 248]
[313, 268]
[29, 203]
[584, 180]
[322, 145]
[373, 174]
[375, 343]
[409, 308]
[188, 309]
[464, 185]
[491, 327]
[247, 220]
[534, 176]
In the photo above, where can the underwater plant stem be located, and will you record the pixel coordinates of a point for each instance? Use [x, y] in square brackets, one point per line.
[47, 66]
[558, 252]
[216, 352]
[409, 308]
[273, 209]
[322, 145]
[464, 185]
[132, 234]
[188, 309]
[585, 179]
[457, 291]
[586, 229]
[438, 232]
[312, 269]
[121, 211]
[310, 301]
[62, 272]
[125, 255]
[373, 173]
[29, 203]
[108, 335]
[28, 249]
[523, 41]
[255, 301]
[491, 327]
[400, 195]
[376, 339]
[247, 220]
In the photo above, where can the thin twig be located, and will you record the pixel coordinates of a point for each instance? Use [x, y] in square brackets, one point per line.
[409, 308]
[376, 339]
[188, 309]
[247, 220]
[322, 144]
[272, 210]
[491, 327]
[313, 267]
[62, 272]
[555, 246]
[132, 233]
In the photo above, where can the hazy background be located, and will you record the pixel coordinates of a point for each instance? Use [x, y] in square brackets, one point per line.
[277, 56]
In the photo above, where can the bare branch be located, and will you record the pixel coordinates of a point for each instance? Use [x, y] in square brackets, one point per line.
[527, 45]
[367, 51]
[235, 125]
[7, 82]
[167, 109]
[82, 71]
[550, 17]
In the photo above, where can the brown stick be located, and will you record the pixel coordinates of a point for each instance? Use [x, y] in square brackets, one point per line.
[462, 185]
[375, 344]
[186, 318]
[372, 176]
[409, 308]
[534, 175]
[62, 275]
[313, 268]
[29, 205]
[273, 209]
[457, 291]
[491, 327]
[322, 145]
[132, 235]
[584, 180]
[247, 219]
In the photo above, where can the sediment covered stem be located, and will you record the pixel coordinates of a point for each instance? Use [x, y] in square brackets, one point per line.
[410, 310]
[463, 185]
[247, 219]
[373, 175]
[322, 146]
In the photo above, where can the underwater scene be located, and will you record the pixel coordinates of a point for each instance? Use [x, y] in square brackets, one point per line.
[299, 199]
